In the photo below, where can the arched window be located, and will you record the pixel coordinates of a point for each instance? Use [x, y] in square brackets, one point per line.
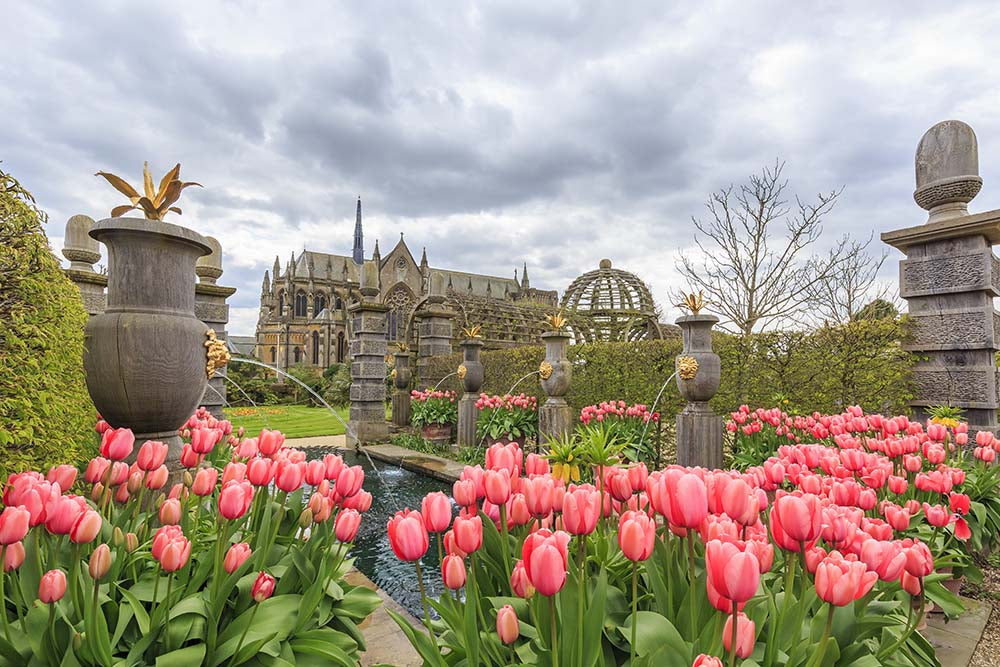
[319, 303]
[301, 302]
[281, 304]
[298, 355]
[339, 304]
[274, 355]
[340, 347]
[400, 303]
[315, 348]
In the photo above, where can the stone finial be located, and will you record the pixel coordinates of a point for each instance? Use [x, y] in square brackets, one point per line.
[80, 249]
[605, 264]
[947, 170]
[369, 279]
[209, 267]
[437, 288]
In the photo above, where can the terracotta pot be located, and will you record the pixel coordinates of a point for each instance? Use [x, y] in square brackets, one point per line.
[439, 433]
[145, 355]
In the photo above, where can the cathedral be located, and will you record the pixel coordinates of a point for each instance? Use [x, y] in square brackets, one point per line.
[303, 310]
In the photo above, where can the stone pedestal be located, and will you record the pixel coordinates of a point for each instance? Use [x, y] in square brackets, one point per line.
[699, 372]
[82, 252]
[401, 393]
[471, 372]
[555, 416]
[949, 279]
[368, 350]
[211, 308]
[434, 331]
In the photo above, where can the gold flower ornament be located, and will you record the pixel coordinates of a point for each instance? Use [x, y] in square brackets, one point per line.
[462, 371]
[216, 353]
[687, 367]
[545, 370]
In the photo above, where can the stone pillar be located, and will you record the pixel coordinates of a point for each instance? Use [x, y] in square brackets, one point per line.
[82, 252]
[949, 278]
[401, 395]
[555, 416]
[471, 373]
[699, 430]
[211, 308]
[434, 331]
[368, 349]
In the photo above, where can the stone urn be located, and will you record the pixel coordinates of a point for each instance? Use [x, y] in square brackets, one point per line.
[556, 371]
[472, 375]
[145, 356]
[696, 332]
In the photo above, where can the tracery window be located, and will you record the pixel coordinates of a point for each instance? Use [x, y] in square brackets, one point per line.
[301, 304]
[400, 303]
[319, 303]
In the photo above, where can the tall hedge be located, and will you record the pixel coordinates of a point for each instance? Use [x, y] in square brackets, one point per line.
[824, 369]
[46, 415]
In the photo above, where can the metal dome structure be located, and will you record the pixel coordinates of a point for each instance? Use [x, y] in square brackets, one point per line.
[610, 305]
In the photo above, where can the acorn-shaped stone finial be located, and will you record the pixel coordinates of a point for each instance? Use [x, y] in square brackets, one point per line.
[947, 170]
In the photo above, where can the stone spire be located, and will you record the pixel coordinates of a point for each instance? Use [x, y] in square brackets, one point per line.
[423, 259]
[524, 278]
[359, 241]
[376, 256]
[489, 288]
[265, 288]
[276, 271]
[291, 265]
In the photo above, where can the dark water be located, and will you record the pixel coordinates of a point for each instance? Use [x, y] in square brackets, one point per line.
[372, 552]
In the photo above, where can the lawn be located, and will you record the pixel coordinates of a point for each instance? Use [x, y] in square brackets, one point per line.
[295, 421]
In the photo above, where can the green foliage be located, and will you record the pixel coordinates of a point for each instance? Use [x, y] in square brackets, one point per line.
[826, 369]
[433, 408]
[46, 416]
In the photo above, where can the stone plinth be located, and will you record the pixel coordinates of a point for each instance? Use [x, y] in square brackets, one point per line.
[368, 349]
[471, 372]
[555, 416]
[82, 251]
[434, 331]
[401, 393]
[699, 437]
[211, 308]
[949, 279]
[699, 372]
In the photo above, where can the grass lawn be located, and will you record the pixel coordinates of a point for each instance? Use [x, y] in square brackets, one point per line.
[295, 421]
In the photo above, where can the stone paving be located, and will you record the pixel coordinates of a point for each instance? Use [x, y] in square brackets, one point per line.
[955, 642]
[439, 468]
[386, 643]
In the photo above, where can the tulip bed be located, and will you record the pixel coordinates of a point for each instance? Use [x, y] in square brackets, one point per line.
[225, 568]
[827, 553]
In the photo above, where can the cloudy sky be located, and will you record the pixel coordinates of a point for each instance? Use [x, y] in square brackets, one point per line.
[554, 133]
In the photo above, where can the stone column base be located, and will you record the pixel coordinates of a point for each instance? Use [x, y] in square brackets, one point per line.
[468, 413]
[366, 432]
[699, 437]
[401, 408]
[555, 419]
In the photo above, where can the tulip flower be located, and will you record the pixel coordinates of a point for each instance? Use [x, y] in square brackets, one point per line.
[746, 635]
[347, 524]
[117, 444]
[234, 471]
[13, 556]
[189, 457]
[959, 503]
[170, 512]
[840, 581]
[86, 528]
[507, 624]
[349, 481]
[270, 442]
[544, 555]
[52, 586]
[62, 513]
[453, 572]
[581, 510]
[288, 476]
[436, 511]
[360, 501]
[260, 471]
[919, 561]
[13, 525]
[734, 574]
[636, 535]
[96, 469]
[174, 553]
[63, 475]
[796, 520]
[263, 587]
[408, 535]
[496, 483]
[464, 492]
[520, 585]
[151, 455]
[937, 515]
[687, 499]
[468, 533]
[100, 562]
[704, 660]
[236, 556]
[234, 499]
[157, 479]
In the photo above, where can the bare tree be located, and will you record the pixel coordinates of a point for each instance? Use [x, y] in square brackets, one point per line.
[849, 287]
[752, 277]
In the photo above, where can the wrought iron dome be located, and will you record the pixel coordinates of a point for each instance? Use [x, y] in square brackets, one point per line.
[610, 305]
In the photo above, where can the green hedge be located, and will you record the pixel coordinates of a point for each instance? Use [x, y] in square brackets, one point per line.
[46, 416]
[824, 369]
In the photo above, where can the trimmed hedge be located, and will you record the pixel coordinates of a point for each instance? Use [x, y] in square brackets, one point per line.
[825, 369]
[46, 416]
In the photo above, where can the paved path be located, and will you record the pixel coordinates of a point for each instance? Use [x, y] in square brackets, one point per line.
[385, 642]
[317, 441]
[955, 642]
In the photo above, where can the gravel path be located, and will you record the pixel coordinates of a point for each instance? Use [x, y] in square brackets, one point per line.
[988, 651]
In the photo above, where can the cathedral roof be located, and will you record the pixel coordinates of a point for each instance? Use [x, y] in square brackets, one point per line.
[335, 264]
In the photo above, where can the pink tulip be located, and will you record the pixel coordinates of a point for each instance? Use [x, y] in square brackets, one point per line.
[436, 511]
[260, 471]
[158, 478]
[117, 443]
[796, 520]
[62, 512]
[636, 535]
[234, 499]
[263, 587]
[360, 501]
[347, 524]
[581, 510]
[205, 481]
[170, 512]
[152, 455]
[332, 465]
[687, 499]
[407, 535]
[288, 476]
[270, 442]
[520, 585]
[734, 574]
[234, 471]
[704, 660]
[464, 492]
[468, 533]
[349, 481]
[496, 483]
[96, 469]
[507, 624]
[746, 635]
[919, 561]
[100, 562]
[13, 525]
[52, 586]
[840, 581]
[453, 572]
[189, 457]
[86, 528]
[315, 473]
[236, 556]
[63, 475]
[544, 555]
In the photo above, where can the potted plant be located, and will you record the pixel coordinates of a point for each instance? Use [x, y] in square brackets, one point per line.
[434, 412]
[506, 418]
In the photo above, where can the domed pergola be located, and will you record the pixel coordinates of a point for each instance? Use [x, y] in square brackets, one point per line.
[610, 305]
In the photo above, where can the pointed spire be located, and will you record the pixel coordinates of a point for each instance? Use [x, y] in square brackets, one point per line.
[423, 258]
[489, 288]
[376, 255]
[277, 267]
[266, 285]
[524, 277]
[359, 241]
[344, 271]
[291, 264]
[450, 286]
[470, 284]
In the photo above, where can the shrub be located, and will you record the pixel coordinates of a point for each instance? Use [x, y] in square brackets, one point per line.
[46, 415]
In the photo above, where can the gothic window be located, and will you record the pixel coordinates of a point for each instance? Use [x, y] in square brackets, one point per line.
[274, 355]
[400, 302]
[301, 302]
[341, 347]
[281, 304]
[315, 348]
[298, 355]
[319, 303]
[339, 304]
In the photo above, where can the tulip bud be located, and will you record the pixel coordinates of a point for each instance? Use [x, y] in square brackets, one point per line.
[305, 518]
[97, 492]
[131, 542]
[236, 556]
[263, 587]
[13, 556]
[188, 479]
[453, 572]
[52, 586]
[118, 537]
[100, 562]
[135, 482]
[507, 625]
[170, 512]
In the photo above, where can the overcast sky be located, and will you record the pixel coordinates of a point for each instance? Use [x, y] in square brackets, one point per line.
[547, 132]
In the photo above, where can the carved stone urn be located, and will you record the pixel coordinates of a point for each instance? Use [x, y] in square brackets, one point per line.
[555, 417]
[472, 374]
[401, 395]
[145, 356]
[699, 431]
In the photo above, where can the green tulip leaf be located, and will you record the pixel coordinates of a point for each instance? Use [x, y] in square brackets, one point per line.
[654, 631]
[185, 657]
